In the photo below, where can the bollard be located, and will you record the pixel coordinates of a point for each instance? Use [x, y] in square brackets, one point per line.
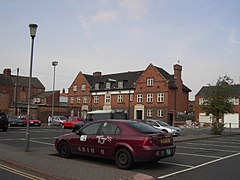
[230, 127]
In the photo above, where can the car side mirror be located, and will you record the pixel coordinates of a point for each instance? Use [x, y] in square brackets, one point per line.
[79, 132]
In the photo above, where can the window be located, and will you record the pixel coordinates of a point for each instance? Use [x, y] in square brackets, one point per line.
[72, 100]
[150, 82]
[160, 113]
[96, 99]
[108, 85]
[139, 98]
[131, 97]
[78, 100]
[120, 84]
[201, 100]
[149, 113]
[97, 86]
[160, 97]
[107, 99]
[91, 129]
[120, 99]
[234, 101]
[83, 87]
[85, 99]
[149, 97]
[110, 128]
[75, 88]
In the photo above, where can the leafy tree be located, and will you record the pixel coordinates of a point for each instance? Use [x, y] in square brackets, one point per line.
[216, 101]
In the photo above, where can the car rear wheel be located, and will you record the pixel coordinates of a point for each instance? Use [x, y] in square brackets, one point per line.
[123, 159]
[64, 150]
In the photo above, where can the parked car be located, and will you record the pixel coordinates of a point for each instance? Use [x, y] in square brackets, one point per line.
[124, 141]
[58, 120]
[71, 121]
[163, 126]
[14, 120]
[3, 121]
[32, 121]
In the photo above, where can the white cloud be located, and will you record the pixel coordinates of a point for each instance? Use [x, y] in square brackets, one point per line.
[232, 37]
[136, 8]
[104, 16]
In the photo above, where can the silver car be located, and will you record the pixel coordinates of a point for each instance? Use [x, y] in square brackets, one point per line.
[59, 120]
[163, 126]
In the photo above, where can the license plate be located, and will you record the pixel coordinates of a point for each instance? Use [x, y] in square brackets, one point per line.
[166, 140]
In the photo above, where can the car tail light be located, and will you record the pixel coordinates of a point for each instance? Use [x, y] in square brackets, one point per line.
[148, 142]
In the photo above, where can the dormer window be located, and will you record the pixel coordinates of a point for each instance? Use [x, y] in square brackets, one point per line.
[108, 85]
[97, 86]
[120, 84]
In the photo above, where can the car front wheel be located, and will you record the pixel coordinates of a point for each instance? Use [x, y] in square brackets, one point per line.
[123, 159]
[64, 150]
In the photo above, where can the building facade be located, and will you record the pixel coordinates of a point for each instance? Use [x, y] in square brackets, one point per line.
[149, 94]
[232, 120]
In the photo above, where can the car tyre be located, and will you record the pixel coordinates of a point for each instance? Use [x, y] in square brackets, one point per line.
[123, 159]
[64, 150]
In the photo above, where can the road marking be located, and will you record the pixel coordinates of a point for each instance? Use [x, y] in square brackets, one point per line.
[198, 155]
[198, 166]
[230, 139]
[207, 149]
[203, 144]
[39, 142]
[21, 173]
[221, 142]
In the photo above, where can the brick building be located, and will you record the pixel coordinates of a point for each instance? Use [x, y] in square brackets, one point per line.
[152, 93]
[233, 118]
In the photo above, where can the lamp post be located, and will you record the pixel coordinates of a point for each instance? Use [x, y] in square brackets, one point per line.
[54, 63]
[33, 30]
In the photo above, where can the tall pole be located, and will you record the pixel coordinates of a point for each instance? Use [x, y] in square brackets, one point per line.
[54, 63]
[16, 92]
[33, 29]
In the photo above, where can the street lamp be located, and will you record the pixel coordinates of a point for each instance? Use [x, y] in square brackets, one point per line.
[54, 64]
[33, 30]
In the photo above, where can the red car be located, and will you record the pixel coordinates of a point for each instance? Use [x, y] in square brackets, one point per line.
[32, 121]
[71, 121]
[125, 141]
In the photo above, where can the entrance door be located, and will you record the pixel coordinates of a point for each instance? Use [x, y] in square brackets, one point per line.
[139, 114]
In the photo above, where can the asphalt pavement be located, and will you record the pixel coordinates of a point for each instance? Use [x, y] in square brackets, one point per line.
[45, 163]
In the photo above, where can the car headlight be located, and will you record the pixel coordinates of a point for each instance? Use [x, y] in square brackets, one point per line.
[173, 130]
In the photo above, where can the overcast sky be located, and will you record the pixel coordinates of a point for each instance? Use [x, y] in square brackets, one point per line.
[115, 36]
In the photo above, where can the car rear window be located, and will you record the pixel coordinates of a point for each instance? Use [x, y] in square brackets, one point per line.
[143, 128]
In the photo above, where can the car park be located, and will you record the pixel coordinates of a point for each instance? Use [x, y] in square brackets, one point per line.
[14, 120]
[71, 121]
[3, 121]
[163, 126]
[124, 141]
[32, 121]
[58, 120]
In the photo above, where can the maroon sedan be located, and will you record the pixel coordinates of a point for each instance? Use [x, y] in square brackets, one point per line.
[125, 141]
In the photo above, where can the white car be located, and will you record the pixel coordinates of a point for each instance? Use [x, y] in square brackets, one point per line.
[163, 126]
[59, 120]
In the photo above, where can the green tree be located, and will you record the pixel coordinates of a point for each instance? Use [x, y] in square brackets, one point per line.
[216, 101]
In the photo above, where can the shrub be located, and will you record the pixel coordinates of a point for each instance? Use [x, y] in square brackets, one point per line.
[217, 128]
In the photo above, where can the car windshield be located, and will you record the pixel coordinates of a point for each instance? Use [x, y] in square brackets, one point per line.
[62, 118]
[163, 123]
[143, 128]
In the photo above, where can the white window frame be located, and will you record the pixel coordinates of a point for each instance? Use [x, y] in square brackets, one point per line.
[74, 88]
[95, 99]
[97, 86]
[107, 99]
[234, 101]
[78, 100]
[139, 98]
[108, 85]
[149, 97]
[149, 113]
[83, 87]
[150, 82]
[160, 113]
[85, 99]
[131, 97]
[71, 100]
[120, 99]
[160, 97]
[120, 84]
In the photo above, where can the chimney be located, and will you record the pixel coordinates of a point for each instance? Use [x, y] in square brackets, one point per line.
[63, 91]
[177, 71]
[97, 74]
[7, 72]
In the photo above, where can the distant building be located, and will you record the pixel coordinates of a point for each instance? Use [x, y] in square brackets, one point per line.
[233, 118]
[149, 94]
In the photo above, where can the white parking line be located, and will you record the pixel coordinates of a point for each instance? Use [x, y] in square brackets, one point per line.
[221, 142]
[198, 166]
[198, 155]
[204, 144]
[207, 149]
[230, 139]
[39, 142]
